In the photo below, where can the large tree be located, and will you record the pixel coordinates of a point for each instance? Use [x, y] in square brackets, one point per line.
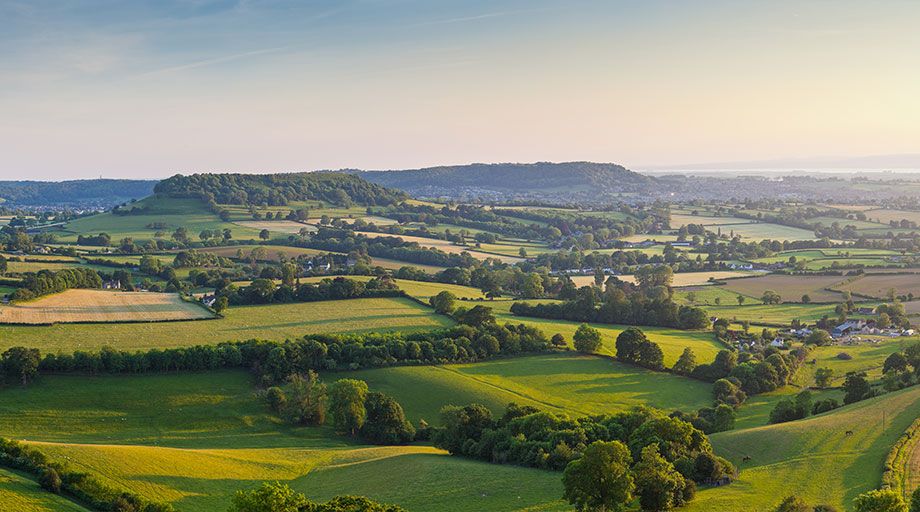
[600, 480]
[587, 339]
[346, 405]
[20, 363]
[658, 484]
[386, 423]
[444, 302]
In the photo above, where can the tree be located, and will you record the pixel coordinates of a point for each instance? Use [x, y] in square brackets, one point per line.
[806, 298]
[386, 422]
[270, 497]
[600, 480]
[346, 405]
[896, 362]
[685, 363]
[50, 480]
[740, 299]
[20, 363]
[915, 500]
[265, 234]
[691, 297]
[629, 344]
[587, 339]
[855, 387]
[880, 501]
[558, 340]
[532, 286]
[3, 265]
[823, 377]
[443, 303]
[793, 504]
[306, 400]
[771, 297]
[221, 304]
[658, 484]
[819, 337]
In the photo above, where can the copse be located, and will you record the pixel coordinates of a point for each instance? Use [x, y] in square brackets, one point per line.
[634, 347]
[278, 497]
[587, 339]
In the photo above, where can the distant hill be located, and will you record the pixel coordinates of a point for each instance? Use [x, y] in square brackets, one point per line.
[74, 194]
[278, 189]
[566, 181]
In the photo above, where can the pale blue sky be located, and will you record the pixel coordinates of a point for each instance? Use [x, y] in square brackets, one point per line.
[154, 88]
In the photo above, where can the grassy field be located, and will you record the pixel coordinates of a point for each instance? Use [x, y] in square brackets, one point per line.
[827, 263]
[20, 267]
[103, 306]
[271, 252]
[707, 295]
[287, 227]
[276, 322]
[21, 493]
[574, 384]
[811, 458]
[773, 314]
[444, 245]
[193, 439]
[790, 288]
[878, 285]
[190, 213]
[680, 279]
[885, 216]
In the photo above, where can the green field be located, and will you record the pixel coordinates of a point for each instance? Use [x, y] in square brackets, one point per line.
[21, 493]
[190, 213]
[811, 458]
[193, 439]
[780, 314]
[275, 322]
[574, 384]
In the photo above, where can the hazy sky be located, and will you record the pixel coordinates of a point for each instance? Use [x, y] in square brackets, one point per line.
[148, 89]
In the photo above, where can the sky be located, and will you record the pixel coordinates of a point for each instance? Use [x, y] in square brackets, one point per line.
[154, 88]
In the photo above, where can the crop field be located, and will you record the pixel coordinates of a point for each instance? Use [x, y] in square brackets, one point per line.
[790, 288]
[829, 263]
[396, 265]
[21, 494]
[102, 306]
[21, 267]
[443, 245]
[577, 385]
[812, 458]
[707, 295]
[885, 216]
[878, 285]
[680, 279]
[216, 437]
[274, 321]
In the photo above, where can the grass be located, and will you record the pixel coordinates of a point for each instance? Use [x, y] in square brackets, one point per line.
[190, 213]
[443, 245]
[707, 295]
[680, 279]
[811, 458]
[868, 357]
[193, 439]
[577, 385]
[878, 285]
[272, 252]
[275, 321]
[22, 494]
[102, 306]
[21, 267]
[827, 263]
[780, 314]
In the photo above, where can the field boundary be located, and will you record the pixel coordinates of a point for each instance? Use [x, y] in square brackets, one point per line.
[895, 475]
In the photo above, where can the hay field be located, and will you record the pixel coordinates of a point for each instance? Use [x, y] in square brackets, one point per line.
[790, 288]
[102, 306]
[680, 279]
[877, 285]
[885, 216]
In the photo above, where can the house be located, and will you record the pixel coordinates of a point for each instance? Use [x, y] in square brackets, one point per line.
[865, 310]
[800, 333]
[680, 244]
[848, 327]
[778, 343]
[111, 285]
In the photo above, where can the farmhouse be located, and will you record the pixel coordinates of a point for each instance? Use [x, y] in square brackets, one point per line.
[848, 327]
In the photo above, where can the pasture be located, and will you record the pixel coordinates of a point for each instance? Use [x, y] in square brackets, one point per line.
[193, 439]
[811, 458]
[775, 315]
[577, 385]
[680, 279]
[885, 216]
[287, 227]
[274, 321]
[790, 287]
[444, 245]
[262, 252]
[21, 494]
[103, 306]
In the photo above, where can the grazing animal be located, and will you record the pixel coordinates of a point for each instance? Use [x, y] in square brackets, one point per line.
[745, 459]
[848, 433]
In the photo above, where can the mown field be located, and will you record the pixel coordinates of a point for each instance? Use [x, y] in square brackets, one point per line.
[812, 458]
[878, 285]
[103, 306]
[679, 280]
[790, 288]
[444, 245]
[781, 314]
[276, 322]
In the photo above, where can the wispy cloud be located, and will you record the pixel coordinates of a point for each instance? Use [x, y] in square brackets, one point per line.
[209, 62]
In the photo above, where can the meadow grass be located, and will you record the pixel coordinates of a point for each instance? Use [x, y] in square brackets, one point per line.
[790, 288]
[778, 314]
[20, 493]
[813, 458]
[577, 385]
[273, 321]
[103, 306]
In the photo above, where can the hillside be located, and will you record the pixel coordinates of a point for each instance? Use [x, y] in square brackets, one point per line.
[76, 193]
[278, 189]
[538, 181]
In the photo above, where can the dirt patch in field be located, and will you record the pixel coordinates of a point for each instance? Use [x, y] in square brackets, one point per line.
[790, 288]
[103, 306]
